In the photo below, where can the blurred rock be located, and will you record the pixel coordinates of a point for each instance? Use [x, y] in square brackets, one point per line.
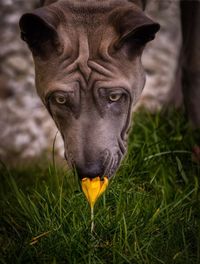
[26, 129]
[161, 57]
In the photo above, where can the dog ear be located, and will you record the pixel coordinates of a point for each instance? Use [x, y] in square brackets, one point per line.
[134, 29]
[38, 30]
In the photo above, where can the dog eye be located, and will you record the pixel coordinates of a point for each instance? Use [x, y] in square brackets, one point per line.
[60, 99]
[115, 97]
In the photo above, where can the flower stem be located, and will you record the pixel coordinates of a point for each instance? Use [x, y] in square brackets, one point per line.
[92, 219]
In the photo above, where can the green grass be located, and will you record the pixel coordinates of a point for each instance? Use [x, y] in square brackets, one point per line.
[149, 214]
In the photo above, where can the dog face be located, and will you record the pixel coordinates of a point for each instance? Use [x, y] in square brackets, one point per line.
[87, 57]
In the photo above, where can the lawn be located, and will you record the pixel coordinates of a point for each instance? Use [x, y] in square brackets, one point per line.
[149, 214]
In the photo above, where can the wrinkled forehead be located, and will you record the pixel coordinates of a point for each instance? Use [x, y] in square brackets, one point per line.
[87, 30]
[91, 42]
[86, 59]
[85, 75]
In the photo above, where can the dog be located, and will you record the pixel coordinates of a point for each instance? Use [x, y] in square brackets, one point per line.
[89, 75]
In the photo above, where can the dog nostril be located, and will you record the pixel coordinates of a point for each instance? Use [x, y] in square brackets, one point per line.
[90, 170]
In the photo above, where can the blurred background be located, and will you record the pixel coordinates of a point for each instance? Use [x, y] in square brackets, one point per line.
[26, 129]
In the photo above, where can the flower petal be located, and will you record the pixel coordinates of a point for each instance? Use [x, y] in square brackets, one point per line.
[93, 188]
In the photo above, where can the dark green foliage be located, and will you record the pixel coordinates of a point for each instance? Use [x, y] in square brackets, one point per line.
[150, 213]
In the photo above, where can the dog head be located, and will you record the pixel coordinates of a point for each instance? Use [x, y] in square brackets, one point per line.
[87, 57]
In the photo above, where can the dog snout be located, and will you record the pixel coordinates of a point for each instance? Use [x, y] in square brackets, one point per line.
[105, 164]
[93, 167]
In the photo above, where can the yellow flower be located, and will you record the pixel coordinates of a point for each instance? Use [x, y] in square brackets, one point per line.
[93, 188]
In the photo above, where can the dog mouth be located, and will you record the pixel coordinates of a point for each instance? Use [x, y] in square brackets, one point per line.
[111, 163]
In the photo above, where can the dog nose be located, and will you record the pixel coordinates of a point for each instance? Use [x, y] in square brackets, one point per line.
[89, 170]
